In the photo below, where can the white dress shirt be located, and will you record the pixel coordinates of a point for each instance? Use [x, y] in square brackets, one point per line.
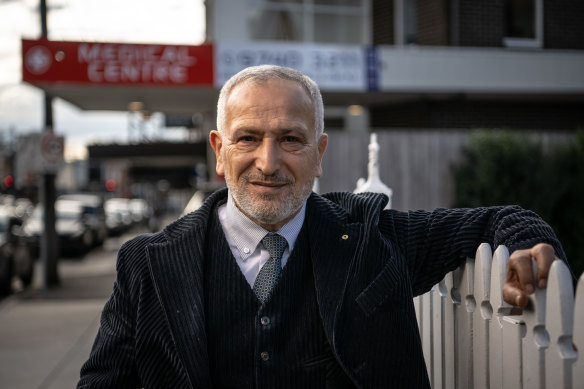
[244, 238]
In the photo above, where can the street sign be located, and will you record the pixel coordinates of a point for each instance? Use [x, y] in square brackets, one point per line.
[41, 153]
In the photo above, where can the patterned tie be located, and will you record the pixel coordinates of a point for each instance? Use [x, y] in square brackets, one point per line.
[266, 279]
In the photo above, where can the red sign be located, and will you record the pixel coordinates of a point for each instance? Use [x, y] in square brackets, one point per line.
[46, 61]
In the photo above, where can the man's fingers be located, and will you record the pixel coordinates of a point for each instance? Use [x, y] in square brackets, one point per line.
[544, 255]
[520, 271]
[514, 295]
[520, 281]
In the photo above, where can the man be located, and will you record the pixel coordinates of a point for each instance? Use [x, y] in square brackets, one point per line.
[269, 285]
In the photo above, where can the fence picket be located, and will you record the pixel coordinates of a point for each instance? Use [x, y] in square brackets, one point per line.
[438, 296]
[464, 376]
[513, 331]
[449, 355]
[536, 339]
[498, 271]
[578, 376]
[482, 315]
[426, 308]
[418, 312]
[559, 322]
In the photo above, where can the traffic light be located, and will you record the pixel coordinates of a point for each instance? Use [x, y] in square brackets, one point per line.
[110, 185]
[8, 181]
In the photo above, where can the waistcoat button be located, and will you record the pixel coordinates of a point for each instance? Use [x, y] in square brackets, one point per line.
[265, 356]
[265, 320]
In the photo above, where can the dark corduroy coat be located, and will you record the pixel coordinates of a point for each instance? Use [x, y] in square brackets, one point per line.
[367, 263]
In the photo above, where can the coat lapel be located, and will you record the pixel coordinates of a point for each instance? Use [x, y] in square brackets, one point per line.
[333, 247]
[177, 272]
[338, 231]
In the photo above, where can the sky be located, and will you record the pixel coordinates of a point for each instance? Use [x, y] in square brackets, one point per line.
[125, 21]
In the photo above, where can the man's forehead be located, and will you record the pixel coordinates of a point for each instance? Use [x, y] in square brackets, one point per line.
[281, 94]
[268, 83]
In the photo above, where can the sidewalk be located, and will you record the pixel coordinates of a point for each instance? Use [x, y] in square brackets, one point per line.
[45, 336]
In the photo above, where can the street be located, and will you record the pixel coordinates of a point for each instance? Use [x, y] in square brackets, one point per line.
[45, 336]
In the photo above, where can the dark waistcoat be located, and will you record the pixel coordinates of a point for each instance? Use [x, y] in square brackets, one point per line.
[278, 344]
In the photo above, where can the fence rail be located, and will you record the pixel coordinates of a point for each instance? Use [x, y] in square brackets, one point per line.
[473, 339]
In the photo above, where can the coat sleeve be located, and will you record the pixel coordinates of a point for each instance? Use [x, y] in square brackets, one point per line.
[112, 362]
[435, 243]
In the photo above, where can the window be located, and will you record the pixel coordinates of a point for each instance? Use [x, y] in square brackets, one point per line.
[410, 22]
[323, 21]
[279, 25]
[523, 23]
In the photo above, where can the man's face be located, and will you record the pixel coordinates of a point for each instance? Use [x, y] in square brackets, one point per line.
[268, 152]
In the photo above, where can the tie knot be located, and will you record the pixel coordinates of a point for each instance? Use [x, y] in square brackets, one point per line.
[275, 244]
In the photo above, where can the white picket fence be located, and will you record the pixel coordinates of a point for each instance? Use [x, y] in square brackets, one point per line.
[473, 339]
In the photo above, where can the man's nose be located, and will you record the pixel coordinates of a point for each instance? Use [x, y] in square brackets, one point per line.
[268, 157]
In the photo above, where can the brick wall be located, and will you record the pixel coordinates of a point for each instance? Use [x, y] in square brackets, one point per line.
[482, 23]
[432, 19]
[473, 114]
[382, 13]
[563, 24]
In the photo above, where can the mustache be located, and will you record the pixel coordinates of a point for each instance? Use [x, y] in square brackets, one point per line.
[274, 178]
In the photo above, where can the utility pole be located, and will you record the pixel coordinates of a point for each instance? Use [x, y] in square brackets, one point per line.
[49, 248]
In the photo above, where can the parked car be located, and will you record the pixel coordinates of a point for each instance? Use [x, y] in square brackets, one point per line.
[197, 199]
[16, 257]
[19, 207]
[140, 210]
[93, 209]
[118, 215]
[72, 224]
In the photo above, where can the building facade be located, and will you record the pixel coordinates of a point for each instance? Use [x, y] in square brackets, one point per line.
[442, 64]
[411, 70]
[440, 69]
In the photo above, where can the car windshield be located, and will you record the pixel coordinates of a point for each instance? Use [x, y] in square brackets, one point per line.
[67, 215]
[62, 212]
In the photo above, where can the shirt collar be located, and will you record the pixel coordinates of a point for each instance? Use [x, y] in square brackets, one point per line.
[247, 234]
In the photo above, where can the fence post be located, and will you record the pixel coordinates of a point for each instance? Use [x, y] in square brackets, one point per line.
[464, 326]
[426, 310]
[513, 333]
[500, 309]
[579, 333]
[536, 339]
[373, 182]
[482, 315]
[439, 304]
[560, 316]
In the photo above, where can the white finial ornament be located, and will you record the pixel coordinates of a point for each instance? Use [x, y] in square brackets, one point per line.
[374, 183]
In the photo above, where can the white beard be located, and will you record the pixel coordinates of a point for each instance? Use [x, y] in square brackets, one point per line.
[268, 209]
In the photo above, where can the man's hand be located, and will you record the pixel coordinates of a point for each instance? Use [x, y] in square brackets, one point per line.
[520, 281]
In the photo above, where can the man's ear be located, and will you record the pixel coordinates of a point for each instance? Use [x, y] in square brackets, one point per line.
[322, 143]
[216, 142]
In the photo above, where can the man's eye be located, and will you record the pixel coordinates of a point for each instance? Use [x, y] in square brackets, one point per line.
[290, 139]
[246, 138]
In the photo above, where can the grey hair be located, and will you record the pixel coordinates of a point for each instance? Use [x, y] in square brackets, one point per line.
[263, 73]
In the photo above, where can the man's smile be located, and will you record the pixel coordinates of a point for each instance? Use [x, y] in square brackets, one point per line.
[268, 187]
[268, 183]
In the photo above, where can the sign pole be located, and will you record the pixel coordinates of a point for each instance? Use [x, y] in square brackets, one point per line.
[49, 248]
